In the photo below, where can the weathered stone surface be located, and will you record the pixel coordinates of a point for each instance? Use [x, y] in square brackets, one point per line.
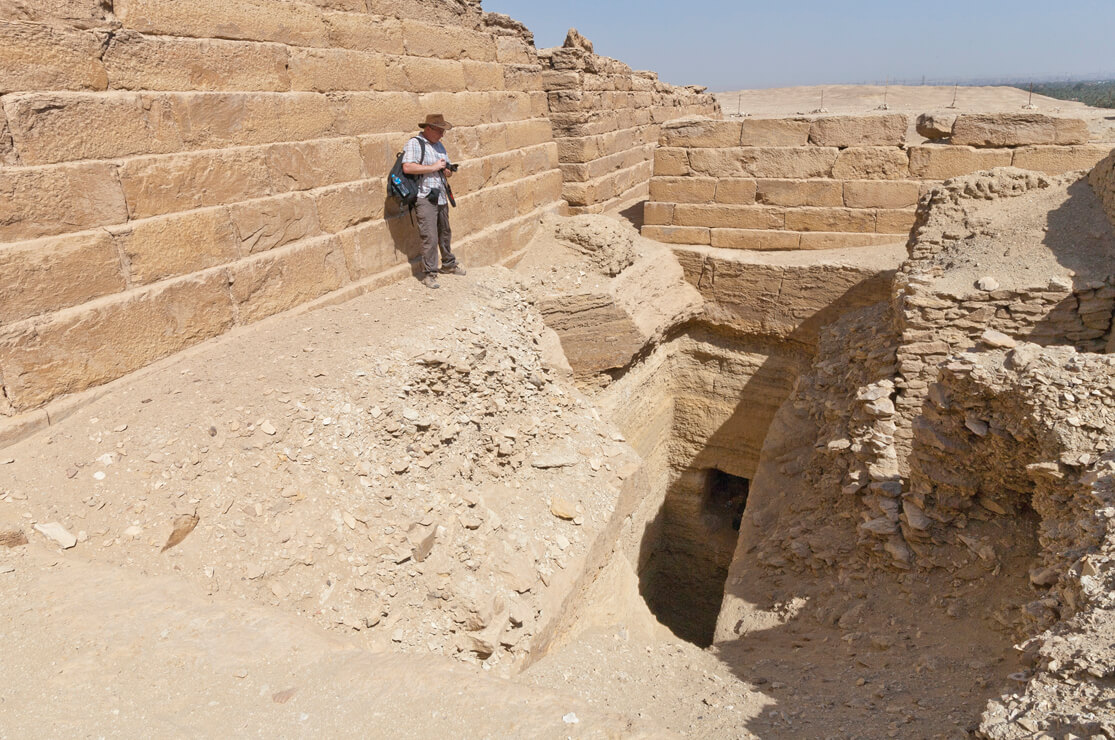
[881, 194]
[283, 278]
[677, 234]
[345, 206]
[448, 42]
[76, 13]
[595, 333]
[314, 164]
[287, 23]
[895, 221]
[158, 185]
[1016, 129]
[179, 244]
[330, 70]
[701, 133]
[729, 217]
[1055, 160]
[683, 189]
[741, 191]
[40, 201]
[800, 193]
[357, 31]
[935, 126]
[872, 163]
[766, 162]
[755, 239]
[370, 249]
[268, 223]
[774, 132]
[44, 275]
[671, 162]
[137, 62]
[874, 130]
[41, 57]
[944, 162]
[83, 347]
[830, 219]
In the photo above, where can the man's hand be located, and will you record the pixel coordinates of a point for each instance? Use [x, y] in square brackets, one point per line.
[441, 165]
[413, 168]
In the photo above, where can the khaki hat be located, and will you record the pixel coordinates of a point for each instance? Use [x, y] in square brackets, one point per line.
[436, 120]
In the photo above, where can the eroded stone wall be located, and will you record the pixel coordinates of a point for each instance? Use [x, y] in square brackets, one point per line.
[833, 181]
[606, 119]
[171, 170]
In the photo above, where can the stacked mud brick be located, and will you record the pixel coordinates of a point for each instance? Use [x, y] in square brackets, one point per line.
[606, 119]
[170, 170]
[833, 181]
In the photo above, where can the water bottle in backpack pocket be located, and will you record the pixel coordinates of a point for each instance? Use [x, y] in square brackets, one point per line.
[401, 185]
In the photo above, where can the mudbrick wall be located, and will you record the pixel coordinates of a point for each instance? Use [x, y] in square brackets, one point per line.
[170, 171]
[834, 181]
[606, 119]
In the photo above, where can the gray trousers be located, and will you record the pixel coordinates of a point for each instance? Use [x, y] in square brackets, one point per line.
[433, 227]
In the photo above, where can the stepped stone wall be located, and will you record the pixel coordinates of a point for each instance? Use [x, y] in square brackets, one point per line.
[606, 119]
[833, 181]
[171, 170]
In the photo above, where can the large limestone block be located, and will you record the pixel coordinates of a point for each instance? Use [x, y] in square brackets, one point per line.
[830, 219]
[378, 113]
[596, 334]
[74, 13]
[872, 163]
[843, 239]
[56, 127]
[844, 131]
[168, 246]
[331, 70]
[484, 76]
[41, 57]
[421, 75]
[658, 214]
[1055, 160]
[734, 190]
[774, 132]
[671, 162]
[137, 62]
[683, 189]
[729, 217]
[881, 194]
[362, 33]
[448, 42]
[40, 201]
[8, 155]
[475, 108]
[281, 279]
[62, 127]
[44, 275]
[314, 164]
[344, 206]
[799, 193]
[513, 50]
[88, 346]
[757, 239]
[701, 133]
[936, 162]
[269, 223]
[1016, 129]
[895, 221]
[764, 162]
[295, 24]
[677, 234]
[157, 185]
[370, 249]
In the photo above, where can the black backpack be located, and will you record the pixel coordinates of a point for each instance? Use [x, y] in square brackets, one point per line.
[402, 186]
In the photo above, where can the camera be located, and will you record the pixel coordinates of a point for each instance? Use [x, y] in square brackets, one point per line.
[452, 167]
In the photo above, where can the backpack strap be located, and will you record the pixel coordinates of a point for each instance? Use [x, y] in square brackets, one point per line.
[422, 144]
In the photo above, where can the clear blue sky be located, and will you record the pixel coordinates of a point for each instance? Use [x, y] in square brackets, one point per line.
[733, 44]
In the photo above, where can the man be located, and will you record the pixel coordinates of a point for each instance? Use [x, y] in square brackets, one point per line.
[432, 172]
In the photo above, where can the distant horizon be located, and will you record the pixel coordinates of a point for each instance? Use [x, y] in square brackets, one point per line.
[1008, 81]
[739, 46]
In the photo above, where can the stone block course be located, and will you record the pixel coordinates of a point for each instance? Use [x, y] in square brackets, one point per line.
[800, 193]
[730, 217]
[43, 201]
[111, 337]
[764, 162]
[268, 223]
[774, 132]
[872, 163]
[881, 194]
[45, 275]
[67, 13]
[134, 61]
[1016, 129]
[158, 185]
[280, 279]
[332, 70]
[830, 219]
[938, 162]
[755, 239]
[1055, 160]
[168, 246]
[895, 221]
[702, 133]
[290, 23]
[677, 234]
[359, 32]
[846, 131]
[34, 56]
[683, 189]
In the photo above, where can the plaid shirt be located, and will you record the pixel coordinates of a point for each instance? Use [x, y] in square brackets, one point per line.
[413, 151]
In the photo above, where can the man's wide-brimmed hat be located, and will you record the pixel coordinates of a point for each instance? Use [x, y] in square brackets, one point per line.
[436, 120]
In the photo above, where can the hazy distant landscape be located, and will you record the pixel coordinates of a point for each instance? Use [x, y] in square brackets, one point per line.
[1100, 94]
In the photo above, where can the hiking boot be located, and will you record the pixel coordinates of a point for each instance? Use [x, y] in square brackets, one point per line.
[430, 281]
[454, 270]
